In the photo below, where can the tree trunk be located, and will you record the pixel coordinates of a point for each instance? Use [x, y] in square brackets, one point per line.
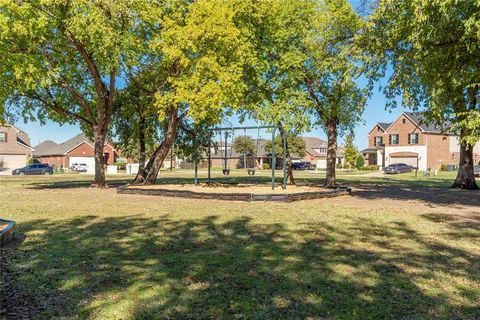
[330, 179]
[465, 176]
[141, 141]
[99, 144]
[156, 160]
[290, 179]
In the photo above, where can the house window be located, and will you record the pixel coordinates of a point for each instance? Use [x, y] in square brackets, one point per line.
[453, 156]
[378, 141]
[3, 137]
[394, 139]
[323, 150]
[404, 121]
[413, 138]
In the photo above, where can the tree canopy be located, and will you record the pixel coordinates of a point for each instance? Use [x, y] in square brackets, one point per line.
[61, 60]
[433, 49]
[296, 145]
[244, 145]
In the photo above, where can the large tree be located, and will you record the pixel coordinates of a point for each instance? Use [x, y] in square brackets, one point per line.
[432, 49]
[311, 69]
[330, 72]
[198, 52]
[61, 60]
[136, 126]
[278, 46]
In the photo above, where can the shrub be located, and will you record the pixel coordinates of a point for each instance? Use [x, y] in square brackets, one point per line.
[443, 167]
[360, 163]
[339, 166]
[2, 164]
[371, 167]
[120, 165]
[266, 166]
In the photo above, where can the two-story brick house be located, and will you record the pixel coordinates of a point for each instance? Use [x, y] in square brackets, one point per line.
[15, 149]
[411, 140]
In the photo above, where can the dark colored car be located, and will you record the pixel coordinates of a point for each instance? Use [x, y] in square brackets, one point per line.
[35, 168]
[301, 166]
[476, 170]
[398, 168]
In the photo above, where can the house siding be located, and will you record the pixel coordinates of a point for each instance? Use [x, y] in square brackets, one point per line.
[83, 150]
[403, 130]
[11, 146]
[377, 131]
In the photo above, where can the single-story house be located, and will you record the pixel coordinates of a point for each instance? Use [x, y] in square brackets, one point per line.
[15, 149]
[316, 154]
[78, 149]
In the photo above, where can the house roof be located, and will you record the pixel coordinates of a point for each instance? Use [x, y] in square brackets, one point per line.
[419, 119]
[384, 125]
[49, 148]
[313, 143]
[44, 147]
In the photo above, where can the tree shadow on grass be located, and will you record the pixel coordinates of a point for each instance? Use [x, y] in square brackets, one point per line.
[137, 268]
[428, 195]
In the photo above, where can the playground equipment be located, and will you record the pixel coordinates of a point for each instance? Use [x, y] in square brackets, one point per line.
[228, 133]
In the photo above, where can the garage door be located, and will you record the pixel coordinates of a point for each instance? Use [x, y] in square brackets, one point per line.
[14, 161]
[411, 161]
[89, 161]
[322, 163]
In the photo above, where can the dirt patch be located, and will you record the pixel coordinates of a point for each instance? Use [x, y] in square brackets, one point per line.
[412, 199]
[234, 188]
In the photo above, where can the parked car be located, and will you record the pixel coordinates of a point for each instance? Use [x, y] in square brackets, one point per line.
[79, 167]
[35, 168]
[301, 166]
[398, 168]
[476, 170]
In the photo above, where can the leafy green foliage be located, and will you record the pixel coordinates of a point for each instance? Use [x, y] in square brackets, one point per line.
[360, 162]
[244, 145]
[350, 151]
[296, 146]
[433, 48]
[135, 115]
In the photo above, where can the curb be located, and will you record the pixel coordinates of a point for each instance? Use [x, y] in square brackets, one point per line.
[247, 197]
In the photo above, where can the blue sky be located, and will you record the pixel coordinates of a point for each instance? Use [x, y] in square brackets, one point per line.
[374, 112]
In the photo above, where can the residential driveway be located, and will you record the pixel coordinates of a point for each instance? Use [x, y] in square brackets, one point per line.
[7, 172]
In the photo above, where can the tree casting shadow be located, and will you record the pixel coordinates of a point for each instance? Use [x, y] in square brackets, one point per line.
[205, 269]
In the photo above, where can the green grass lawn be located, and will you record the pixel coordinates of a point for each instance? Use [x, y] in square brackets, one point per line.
[94, 254]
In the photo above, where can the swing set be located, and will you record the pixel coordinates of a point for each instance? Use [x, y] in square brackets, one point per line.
[226, 155]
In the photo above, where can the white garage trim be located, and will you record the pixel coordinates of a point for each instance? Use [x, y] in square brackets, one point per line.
[89, 161]
[420, 150]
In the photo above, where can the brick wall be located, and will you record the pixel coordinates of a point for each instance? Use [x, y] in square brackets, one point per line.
[403, 127]
[438, 149]
[85, 150]
[377, 131]
[55, 161]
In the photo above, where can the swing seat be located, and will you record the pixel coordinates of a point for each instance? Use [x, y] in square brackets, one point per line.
[251, 172]
[226, 172]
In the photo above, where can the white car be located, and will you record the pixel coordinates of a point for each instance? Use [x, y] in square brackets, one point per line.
[79, 167]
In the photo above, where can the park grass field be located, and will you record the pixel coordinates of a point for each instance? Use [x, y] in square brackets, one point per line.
[389, 251]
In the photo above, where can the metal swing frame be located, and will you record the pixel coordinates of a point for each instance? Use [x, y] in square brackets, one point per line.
[232, 129]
